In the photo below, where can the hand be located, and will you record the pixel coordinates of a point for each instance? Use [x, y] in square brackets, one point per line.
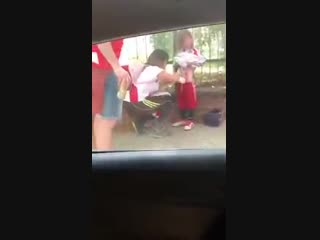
[122, 75]
[182, 80]
[179, 79]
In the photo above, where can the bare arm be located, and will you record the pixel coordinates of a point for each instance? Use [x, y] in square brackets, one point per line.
[121, 74]
[107, 51]
[168, 78]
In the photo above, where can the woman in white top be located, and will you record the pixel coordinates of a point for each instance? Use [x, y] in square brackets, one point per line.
[145, 95]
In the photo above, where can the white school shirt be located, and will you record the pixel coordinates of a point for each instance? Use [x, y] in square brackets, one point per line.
[145, 79]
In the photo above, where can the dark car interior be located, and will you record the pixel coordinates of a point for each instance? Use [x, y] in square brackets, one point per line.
[138, 17]
[168, 194]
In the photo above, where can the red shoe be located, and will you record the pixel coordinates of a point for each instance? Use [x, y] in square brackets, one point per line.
[179, 123]
[189, 125]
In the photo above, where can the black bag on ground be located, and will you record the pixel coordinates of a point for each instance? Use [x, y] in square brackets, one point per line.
[213, 118]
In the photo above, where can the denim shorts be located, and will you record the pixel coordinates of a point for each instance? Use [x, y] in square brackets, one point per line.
[112, 105]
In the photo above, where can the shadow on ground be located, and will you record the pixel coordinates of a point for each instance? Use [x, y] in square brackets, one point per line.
[199, 137]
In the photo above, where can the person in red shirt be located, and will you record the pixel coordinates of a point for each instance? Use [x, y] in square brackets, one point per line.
[107, 75]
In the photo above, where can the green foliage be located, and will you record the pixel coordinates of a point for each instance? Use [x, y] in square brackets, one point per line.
[163, 41]
[210, 40]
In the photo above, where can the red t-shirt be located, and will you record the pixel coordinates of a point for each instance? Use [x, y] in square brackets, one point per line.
[103, 63]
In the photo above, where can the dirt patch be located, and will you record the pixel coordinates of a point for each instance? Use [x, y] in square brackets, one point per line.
[201, 137]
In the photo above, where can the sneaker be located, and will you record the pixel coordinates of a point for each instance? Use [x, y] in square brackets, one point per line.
[189, 126]
[179, 123]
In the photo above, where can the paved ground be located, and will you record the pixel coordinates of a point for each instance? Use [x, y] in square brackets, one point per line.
[200, 137]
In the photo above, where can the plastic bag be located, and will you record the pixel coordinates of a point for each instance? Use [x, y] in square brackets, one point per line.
[185, 59]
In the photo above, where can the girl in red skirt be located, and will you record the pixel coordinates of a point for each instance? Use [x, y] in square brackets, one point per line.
[186, 93]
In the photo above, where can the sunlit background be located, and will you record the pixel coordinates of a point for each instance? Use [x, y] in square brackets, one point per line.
[211, 90]
[210, 40]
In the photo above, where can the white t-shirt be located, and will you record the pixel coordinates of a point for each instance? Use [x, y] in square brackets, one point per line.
[146, 81]
[124, 56]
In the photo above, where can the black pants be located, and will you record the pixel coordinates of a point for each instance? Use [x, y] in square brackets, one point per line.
[141, 112]
[187, 114]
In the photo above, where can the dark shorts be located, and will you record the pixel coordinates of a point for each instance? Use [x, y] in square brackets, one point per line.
[141, 112]
[148, 106]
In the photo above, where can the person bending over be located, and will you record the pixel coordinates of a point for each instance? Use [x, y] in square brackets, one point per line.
[147, 100]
